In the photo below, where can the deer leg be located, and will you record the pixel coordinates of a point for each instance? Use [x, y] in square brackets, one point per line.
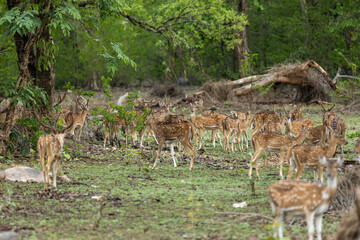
[310, 223]
[201, 132]
[214, 133]
[279, 224]
[225, 141]
[246, 139]
[158, 153]
[238, 140]
[173, 154]
[318, 223]
[79, 133]
[232, 140]
[54, 167]
[254, 161]
[48, 165]
[141, 135]
[299, 171]
[292, 167]
[218, 135]
[282, 155]
[190, 147]
[42, 160]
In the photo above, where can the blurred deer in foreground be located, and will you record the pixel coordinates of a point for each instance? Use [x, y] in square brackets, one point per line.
[307, 156]
[50, 148]
[274, 141]
[304, 198]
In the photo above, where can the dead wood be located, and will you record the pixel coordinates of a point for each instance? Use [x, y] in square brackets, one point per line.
[312, 81]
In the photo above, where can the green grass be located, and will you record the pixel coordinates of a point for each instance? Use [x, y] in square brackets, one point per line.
[140, 203]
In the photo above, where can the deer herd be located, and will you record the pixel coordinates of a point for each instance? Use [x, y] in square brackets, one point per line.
[310, 199]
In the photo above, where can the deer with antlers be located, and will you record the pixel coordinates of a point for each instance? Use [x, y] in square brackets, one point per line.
[50, 148]
[274, 126]
[307, 156]
[304, 198]
[335, 122]
[274, 141]
[181, 131]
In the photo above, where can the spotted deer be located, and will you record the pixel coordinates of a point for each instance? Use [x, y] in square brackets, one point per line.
[78, 118]
[328, 114]
[302, 156]
[173, 132]
[202, 124]
[259, 119]
[274, 141]
[304, 198]
[242, 131]
[274, 126]
[50, 148]
[229, 127]
[294, 128]
[318, 134]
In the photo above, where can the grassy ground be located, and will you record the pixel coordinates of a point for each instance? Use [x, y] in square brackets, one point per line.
[139, 203]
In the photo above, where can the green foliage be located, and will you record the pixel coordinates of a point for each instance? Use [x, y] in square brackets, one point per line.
[264, 90]
[21, 21]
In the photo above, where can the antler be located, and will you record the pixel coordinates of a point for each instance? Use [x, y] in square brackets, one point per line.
[61, 99]
[321, 105]
[41, 122]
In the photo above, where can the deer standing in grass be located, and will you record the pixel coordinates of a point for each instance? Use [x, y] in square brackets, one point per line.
[242, 131]
[77, 118]
[274, 141]
[173, 132]
[304, 198]
[50, 148]
[308, 156]
[204, 124]
[336, 123]
[229, 127]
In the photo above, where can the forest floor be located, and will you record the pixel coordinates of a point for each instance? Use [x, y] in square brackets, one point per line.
[113, 194]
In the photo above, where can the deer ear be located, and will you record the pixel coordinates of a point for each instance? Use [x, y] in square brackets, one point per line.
[340, 161]
[322, 160]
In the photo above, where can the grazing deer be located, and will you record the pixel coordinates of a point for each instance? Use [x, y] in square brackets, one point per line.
[173, 132]
[50, 147]
[204, 124]
[304, 198]
[259, 119]
[307, 156]
[242, 131]
[274, 141]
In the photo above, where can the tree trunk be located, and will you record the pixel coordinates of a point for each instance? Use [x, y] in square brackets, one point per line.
[242, 49]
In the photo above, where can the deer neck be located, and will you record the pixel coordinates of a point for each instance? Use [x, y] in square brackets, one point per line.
[331, 148]
[330, 189]
[299, 139]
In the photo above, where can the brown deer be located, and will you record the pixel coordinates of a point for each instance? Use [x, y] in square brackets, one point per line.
[173, 132]
[78, 118]
[259, 119]
[273, 126]
[307, 156]
[294, 128]
[318, 134]
[338, 125]
[202, 124]
[328, 114]
[274, 141]
[242, 131]
[304, 198]
[50, 148]
[229, 127]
